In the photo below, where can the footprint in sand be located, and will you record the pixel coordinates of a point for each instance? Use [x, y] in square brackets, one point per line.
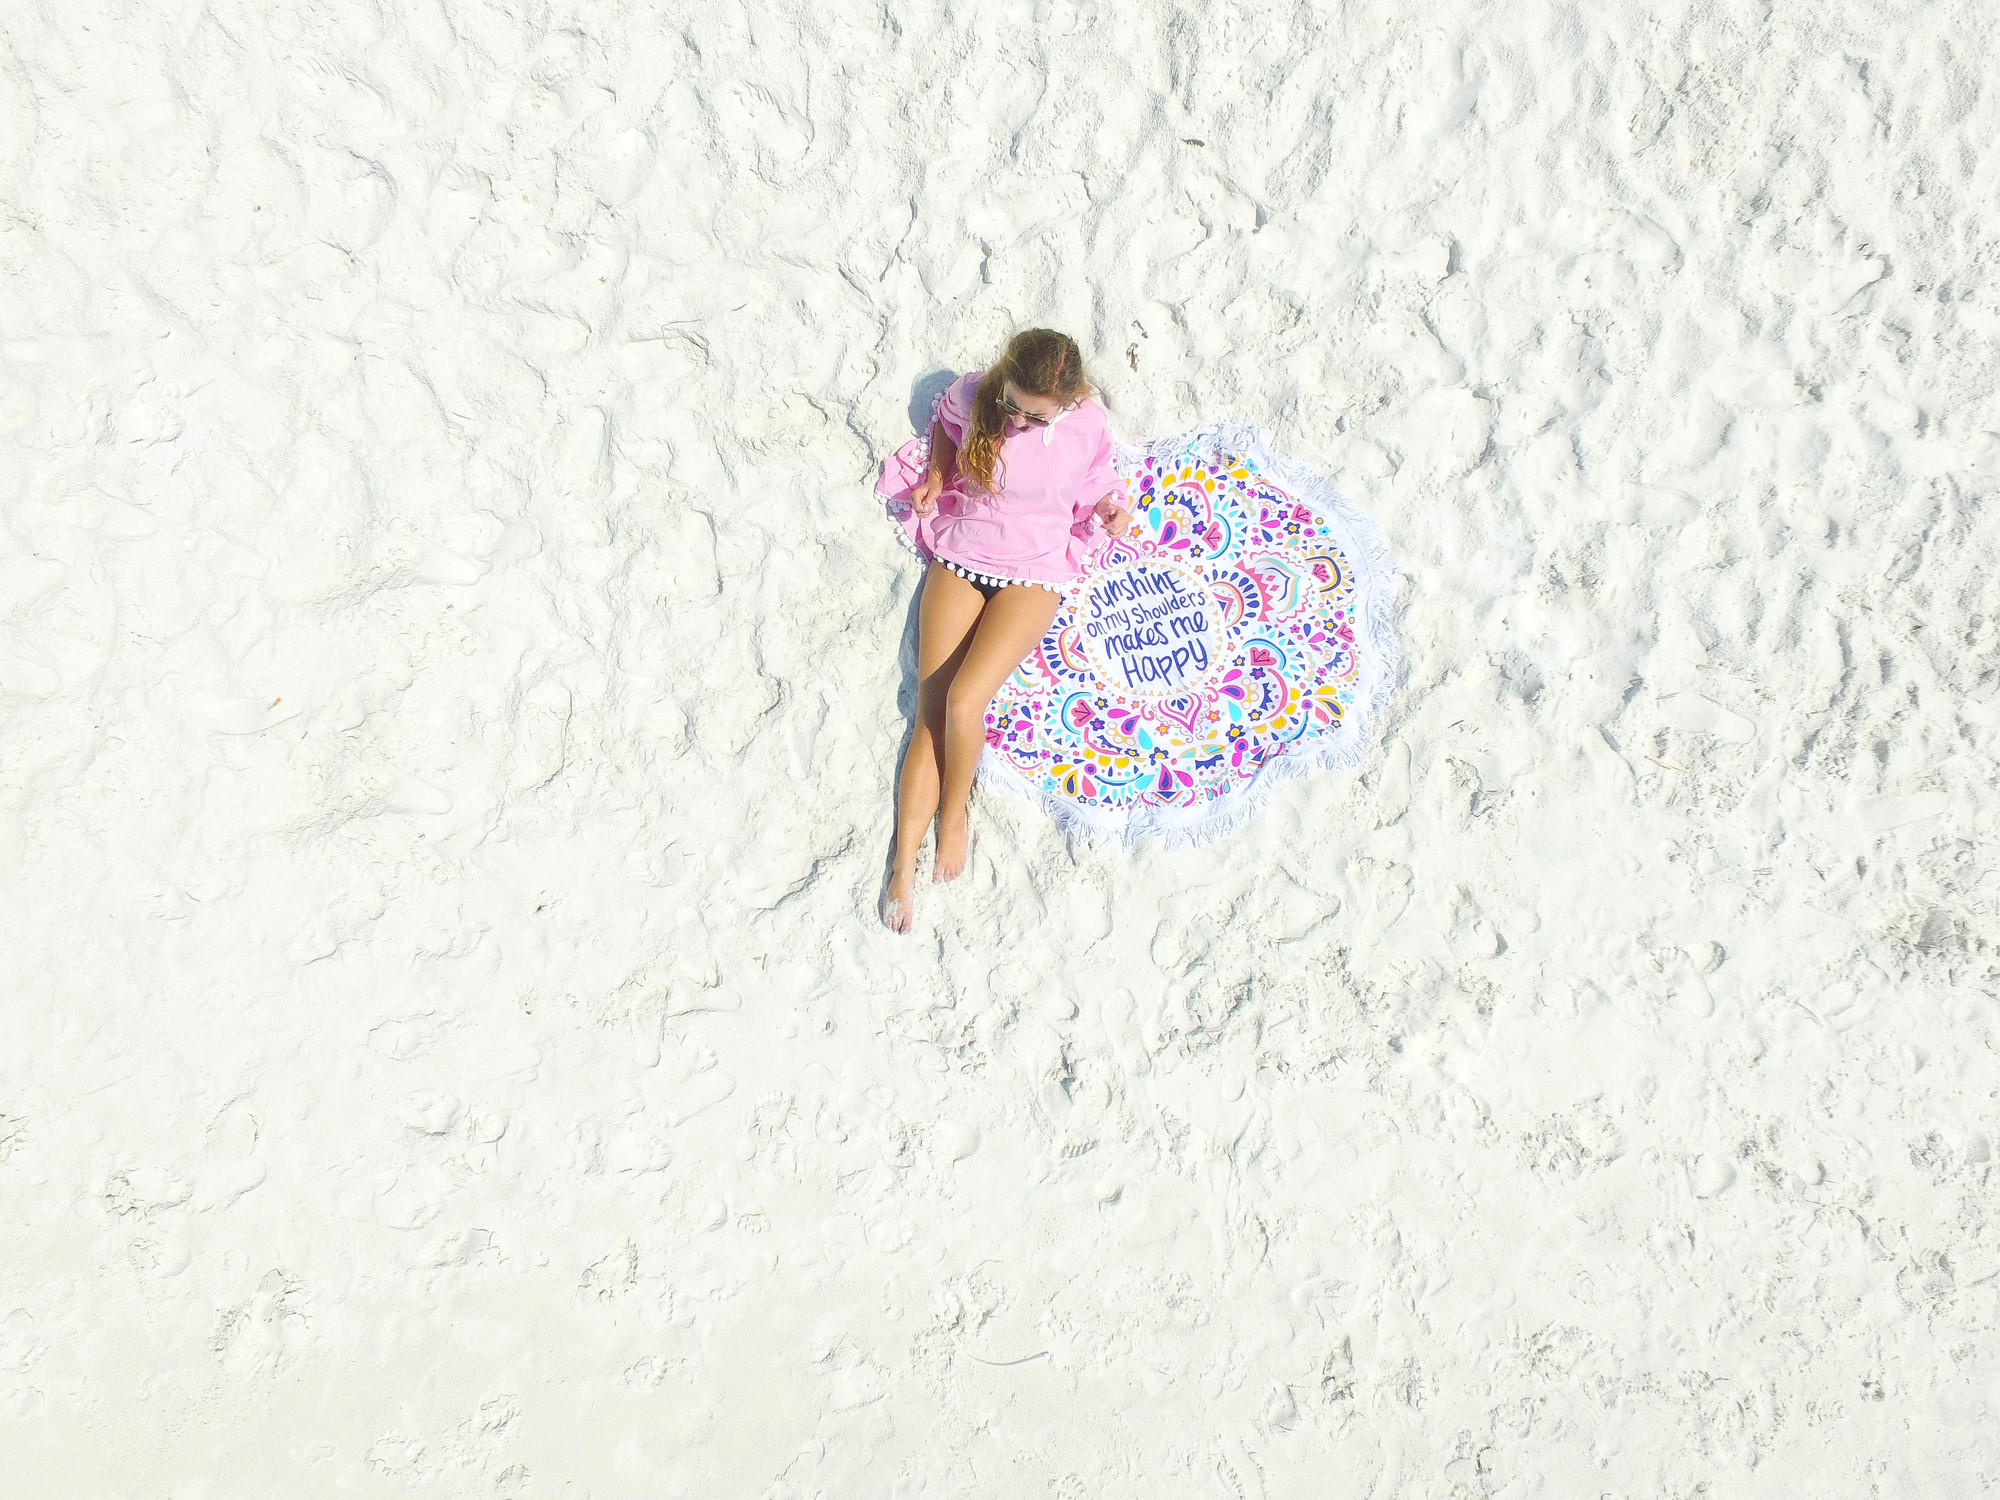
[1699, 715]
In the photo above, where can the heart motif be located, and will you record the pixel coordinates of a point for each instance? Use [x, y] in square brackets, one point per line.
[1185, 712]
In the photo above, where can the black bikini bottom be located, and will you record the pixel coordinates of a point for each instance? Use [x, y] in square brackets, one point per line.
[987, 586]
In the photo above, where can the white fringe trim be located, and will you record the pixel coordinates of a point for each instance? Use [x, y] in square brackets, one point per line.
[994, 580]
[903, 534]
[1381, 662]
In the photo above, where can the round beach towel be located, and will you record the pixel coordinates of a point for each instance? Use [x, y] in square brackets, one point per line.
[1238, 632]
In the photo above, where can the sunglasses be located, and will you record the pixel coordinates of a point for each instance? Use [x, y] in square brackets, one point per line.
[1026, 416]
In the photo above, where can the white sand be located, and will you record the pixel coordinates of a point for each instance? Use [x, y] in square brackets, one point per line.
[451, 696]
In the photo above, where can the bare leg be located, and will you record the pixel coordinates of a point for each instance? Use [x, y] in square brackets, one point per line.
[1014, 622]
[946, 615]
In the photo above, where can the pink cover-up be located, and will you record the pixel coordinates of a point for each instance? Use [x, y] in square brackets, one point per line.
[1041, 526]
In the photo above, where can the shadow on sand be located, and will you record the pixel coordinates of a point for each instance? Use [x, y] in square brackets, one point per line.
[923, 394]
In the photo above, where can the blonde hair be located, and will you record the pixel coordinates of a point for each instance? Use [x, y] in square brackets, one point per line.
[1040, 362]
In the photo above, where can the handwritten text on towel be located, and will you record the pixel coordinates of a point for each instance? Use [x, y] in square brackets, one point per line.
[1151, 629]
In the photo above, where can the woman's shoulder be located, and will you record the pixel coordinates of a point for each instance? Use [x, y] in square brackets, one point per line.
[953, 406]
[957, 397]
[1093, 412]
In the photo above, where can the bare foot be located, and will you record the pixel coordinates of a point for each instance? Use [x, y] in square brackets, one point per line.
[953, 843]
[899, 901]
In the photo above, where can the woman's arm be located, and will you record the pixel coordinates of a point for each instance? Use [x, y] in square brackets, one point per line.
[1109, 509]
[944, 454]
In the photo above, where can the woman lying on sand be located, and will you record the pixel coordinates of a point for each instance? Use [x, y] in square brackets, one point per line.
[1017, 492]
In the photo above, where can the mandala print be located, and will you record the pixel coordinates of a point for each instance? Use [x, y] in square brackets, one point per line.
[1237, 632]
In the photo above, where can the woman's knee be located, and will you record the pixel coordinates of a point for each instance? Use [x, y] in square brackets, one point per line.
[966, 703]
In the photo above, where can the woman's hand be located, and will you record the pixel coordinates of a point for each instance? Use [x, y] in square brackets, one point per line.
[1113, 516]
[923, 499]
